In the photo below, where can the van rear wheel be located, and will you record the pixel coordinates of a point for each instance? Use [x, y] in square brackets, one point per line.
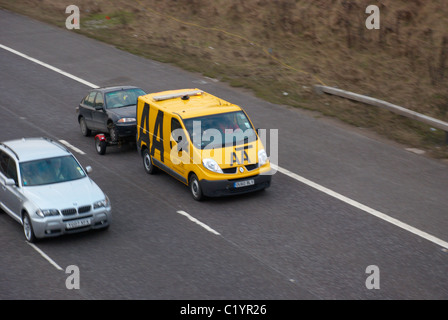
[147, 162]
[195, 188]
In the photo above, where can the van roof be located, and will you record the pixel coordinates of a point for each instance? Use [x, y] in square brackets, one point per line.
[189, 103]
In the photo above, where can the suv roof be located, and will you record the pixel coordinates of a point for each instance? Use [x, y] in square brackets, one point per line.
[27, 149]
[189, 103]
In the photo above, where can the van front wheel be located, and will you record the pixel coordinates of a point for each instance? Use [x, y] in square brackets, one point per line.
[195, 188]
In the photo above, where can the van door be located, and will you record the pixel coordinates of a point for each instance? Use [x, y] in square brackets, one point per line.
[179, 154]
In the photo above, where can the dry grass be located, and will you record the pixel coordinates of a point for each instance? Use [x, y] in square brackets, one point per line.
[273, 47]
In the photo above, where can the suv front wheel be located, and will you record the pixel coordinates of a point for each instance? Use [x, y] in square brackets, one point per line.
[28, 228]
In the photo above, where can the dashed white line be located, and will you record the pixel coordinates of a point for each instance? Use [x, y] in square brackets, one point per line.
[295, 176]
[43, 254]
[203, 225]
[65, 143]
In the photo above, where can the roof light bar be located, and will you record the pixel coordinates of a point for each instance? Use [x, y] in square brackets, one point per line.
[178, 95]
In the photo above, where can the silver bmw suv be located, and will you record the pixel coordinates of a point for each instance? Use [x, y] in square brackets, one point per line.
[44, 188]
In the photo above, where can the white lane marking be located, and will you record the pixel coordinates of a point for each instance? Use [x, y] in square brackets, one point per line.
[310, 183]
[203, 225]
[364, 208]
[49, 66]
[71, 147]
[43, 254]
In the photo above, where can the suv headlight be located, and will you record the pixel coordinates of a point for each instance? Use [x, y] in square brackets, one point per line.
[47, 212]
[212, 165]
[125, 120]
[102, 203]
[262, 157]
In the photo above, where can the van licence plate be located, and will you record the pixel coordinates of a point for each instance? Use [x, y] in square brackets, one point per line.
[78, 223]
[244, 183]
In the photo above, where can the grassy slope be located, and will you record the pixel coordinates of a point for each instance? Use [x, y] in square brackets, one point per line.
[280, 49]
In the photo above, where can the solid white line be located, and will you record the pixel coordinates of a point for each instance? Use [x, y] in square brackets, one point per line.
[89, 84]
[310, 183]
[43, 254]
[71, 147]
[364, 208]
[203, 225]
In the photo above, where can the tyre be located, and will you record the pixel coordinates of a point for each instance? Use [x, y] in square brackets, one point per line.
[100, 146]
[195, 188]
[28, 228]
[84, 129]
[113, 133]
[147, 163]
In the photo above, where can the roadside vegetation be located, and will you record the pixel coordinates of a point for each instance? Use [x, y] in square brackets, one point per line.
[281, 49]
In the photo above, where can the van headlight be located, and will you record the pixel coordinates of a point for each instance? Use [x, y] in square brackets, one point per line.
[212, 165]
[102, 203]
[262, 158]
[47, 212]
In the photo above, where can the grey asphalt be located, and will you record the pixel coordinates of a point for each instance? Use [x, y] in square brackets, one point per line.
[289, 242]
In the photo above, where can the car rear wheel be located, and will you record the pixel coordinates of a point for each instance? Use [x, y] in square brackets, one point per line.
[195, 188]
[28, 228]
[84, 129]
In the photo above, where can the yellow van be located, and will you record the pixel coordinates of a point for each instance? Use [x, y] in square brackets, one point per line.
[203, 141]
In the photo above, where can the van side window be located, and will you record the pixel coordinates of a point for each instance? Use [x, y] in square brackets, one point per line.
[175, 124]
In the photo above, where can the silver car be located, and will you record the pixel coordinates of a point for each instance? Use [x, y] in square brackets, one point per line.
[44, 188]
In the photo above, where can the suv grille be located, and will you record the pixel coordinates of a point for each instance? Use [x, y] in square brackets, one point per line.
[68, 212]
[84, 209]
[72, 211]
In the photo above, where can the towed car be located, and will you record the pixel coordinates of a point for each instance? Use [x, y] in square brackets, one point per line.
[44, 188]
[109, 110]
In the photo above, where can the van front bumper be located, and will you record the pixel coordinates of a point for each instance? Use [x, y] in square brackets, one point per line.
[221, 188]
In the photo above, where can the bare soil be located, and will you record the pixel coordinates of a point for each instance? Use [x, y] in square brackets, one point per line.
[281, 49]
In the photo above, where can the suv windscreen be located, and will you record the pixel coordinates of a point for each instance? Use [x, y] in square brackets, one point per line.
[123, 98]
[220, 130]
[51, 170]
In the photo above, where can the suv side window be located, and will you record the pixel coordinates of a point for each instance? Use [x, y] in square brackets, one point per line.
[8, 166]
[88, 101]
